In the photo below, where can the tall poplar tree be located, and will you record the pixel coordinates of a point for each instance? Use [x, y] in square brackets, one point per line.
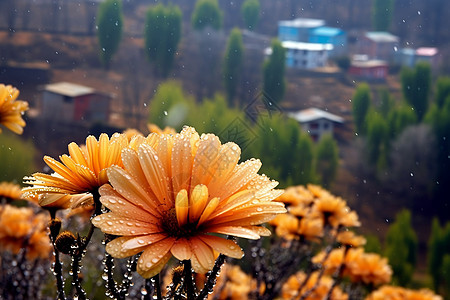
[232, 64]
[162, 35]
[274, 84]
[110, 23]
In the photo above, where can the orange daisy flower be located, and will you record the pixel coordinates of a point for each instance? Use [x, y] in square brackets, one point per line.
[153, 128]
[21, 227]
[11, 110]
[400, 293]
[331, 209]
[369, 268]
[292, 288]
[83, 170]
[349, 238]
[10, 190]
[131, 132]
[176, 193]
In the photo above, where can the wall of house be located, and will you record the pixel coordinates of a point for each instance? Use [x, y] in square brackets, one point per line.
[317, 128]
[57, 107]
[306, 59]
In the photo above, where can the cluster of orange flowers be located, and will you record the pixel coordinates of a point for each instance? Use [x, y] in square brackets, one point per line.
[9, 191]
[11, 110]
[312, 285]
[233, 284]
[22, 228]
[169, 195]
[369, 268]
[400, 293]
[311, 211]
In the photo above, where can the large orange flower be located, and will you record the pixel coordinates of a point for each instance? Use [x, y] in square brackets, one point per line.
[83, 170]
[176, 193]
[11, 110]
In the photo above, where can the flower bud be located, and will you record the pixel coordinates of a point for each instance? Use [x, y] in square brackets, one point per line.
[65, 241]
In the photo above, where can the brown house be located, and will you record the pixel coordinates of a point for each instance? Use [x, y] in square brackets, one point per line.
[372, 70]
[69, 102]
[378, 45]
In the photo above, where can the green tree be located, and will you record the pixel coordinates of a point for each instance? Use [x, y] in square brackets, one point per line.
[162, 34]
[416, 87]
[16, 158]
[438, 252]
[446, 274]
[439, 118]
[286, 151]
[377, 139]
[109, 22]
[232, 64]
[207, 13]
[442, 90]
[250, 13]
[386, 102]
[399, 118]
[373, 244]
[435, 251]
[170, 106]
[327, 160]
[401, 248]
[382, 11]
[215, 116]
[274, 84]
[360, 105]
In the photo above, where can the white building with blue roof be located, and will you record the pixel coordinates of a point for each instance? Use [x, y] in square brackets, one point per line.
[330, 35]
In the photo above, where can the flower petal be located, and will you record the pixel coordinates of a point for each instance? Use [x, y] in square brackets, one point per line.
[123, 207]
[118, 225]
[241, 176]
[130, 189]
[205, 160]
[142, 241]
[156, 268]
[238, 231]
[155, 175]
[197, 202]
[181, 161]
[227, 160]
[114, 248]
[203, 253]
[154, 255]
[181, 249]
[227, 247]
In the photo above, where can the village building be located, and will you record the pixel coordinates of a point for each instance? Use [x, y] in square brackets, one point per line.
[317, 122]
[378, 45]
[330, 35]
[69, 102]
[370, 70]
[298, 30]
[305, 55]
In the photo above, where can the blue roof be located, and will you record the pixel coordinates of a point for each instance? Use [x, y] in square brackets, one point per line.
[327, 31]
